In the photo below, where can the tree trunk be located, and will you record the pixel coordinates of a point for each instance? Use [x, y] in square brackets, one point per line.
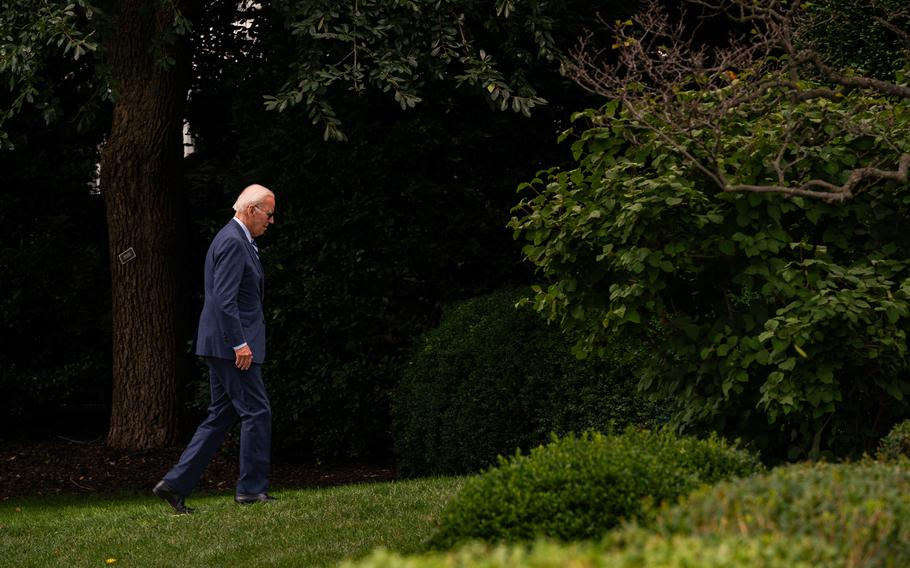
[141, 186]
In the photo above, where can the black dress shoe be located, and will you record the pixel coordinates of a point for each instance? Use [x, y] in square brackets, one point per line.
[250, 498]
[173, 498]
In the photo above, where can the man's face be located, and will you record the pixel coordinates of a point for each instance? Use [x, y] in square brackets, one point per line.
[261, 216]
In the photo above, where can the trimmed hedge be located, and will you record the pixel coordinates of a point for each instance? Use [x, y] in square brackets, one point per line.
[493, 378]
[640, 551]
[896, 444]
[861, 510]
[580, 487]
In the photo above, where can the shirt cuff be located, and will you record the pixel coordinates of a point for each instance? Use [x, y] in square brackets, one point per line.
[241, 346]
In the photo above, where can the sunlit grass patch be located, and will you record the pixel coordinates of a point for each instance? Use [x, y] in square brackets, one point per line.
[305, 527]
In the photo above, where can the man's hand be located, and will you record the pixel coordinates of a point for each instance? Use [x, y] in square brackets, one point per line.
[244, 357]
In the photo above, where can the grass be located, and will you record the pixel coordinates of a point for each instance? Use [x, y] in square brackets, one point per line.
[304, 528]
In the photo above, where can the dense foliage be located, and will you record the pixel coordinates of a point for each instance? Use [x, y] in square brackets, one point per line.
[493, 378]
[638, 551]
[499, 51]
[780, 319]
[578, 488]
[896, 445]
[860, 510]
[859, 35]
[36, 39]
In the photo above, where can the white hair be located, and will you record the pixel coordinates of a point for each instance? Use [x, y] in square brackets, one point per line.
[251, 196]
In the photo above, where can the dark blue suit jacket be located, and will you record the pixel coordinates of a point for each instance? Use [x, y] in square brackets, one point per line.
[234, 290]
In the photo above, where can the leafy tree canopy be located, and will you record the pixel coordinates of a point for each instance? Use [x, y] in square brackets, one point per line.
[496, 49]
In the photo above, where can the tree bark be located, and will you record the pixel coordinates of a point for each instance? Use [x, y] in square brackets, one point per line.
[141, 186]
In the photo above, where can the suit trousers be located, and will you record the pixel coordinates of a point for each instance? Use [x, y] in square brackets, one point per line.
[235, 394]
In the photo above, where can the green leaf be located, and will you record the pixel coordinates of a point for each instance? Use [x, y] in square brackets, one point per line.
[787, 364]
[715, 218]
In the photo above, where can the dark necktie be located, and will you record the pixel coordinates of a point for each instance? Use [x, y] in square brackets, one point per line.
[255, 248]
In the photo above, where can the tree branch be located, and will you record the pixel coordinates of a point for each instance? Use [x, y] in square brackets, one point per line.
[870, 83]
[672, 88]
[828, 191]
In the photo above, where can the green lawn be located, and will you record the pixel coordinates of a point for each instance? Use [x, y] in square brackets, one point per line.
[305, 528]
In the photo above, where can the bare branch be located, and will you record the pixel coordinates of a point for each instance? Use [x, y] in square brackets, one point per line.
[902, 34]
[673, 88]
[828, 191]
[869, 83]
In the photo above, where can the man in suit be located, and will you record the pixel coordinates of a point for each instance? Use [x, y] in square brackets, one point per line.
[231, 337]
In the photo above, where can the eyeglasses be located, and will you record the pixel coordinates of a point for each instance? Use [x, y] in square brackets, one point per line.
[267, 214]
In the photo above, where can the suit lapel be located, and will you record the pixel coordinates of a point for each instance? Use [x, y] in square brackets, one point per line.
[249, 246]
[254, 255]
[252, 252]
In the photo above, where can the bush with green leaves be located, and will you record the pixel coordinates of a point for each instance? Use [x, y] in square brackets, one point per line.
[579, 487]
[493, 378]
[779, 319]
[896, 444]
[638, 550]
[861, 510]
[859, 35]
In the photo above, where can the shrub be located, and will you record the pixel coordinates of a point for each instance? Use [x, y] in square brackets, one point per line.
[642, 551]
[579, 487]
[492, 378]
[862, 510]
[896, 444]
[780, 320]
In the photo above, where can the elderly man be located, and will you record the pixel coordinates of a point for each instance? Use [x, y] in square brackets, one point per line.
[231, 337]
